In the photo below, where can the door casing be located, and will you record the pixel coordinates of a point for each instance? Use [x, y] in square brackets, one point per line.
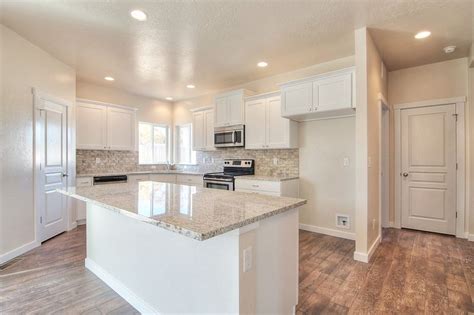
[460, 158]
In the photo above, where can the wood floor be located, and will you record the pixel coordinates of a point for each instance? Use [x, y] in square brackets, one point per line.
[411, 272]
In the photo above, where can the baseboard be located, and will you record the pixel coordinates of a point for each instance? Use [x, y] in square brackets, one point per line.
[365, 257]
[81, 222]
[470, 237]
[72, 226]
[129, 296]
[327, 231]
[18, 251]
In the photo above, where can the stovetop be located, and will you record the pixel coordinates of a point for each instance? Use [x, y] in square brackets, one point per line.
[234, 168]
[224, 175]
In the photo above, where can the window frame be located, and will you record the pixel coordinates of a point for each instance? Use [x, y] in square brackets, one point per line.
[177, 158]
[168, 143]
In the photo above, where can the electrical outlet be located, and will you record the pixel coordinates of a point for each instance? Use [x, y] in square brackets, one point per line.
[97, 160]
[346, 162]
[275, 161]
[247, 259]
[343, 221]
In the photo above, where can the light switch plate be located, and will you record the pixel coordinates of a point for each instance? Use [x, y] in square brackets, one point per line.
[247, 259]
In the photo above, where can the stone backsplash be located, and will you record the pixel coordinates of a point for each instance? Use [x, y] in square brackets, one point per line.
[281, 162]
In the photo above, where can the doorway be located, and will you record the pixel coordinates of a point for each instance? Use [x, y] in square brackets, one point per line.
[428, 145]
[51, 165]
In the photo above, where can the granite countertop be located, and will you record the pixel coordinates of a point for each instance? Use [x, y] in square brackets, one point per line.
[141, 172]
[268, 178]
[196, 212]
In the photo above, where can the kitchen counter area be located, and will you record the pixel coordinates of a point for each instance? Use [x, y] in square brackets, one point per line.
[198, 250]
[140, 173]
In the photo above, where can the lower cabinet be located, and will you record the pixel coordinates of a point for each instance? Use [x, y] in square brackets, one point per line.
[81, 205]
[165, 178]
[138, 178]
[193, 180]
[279, 188]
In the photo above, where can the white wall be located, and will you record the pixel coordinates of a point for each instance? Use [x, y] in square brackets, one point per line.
[438, 80]
[23, 66]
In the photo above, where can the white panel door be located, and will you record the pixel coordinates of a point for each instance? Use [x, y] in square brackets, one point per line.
[255, 122]
[297, 99]
[51, 153]
[278, 128]
[236, 109]
[199, 140]
[209, 129]
[91, 126]
[221, 112]
[333, 93]
[428, 139]
[120, 129]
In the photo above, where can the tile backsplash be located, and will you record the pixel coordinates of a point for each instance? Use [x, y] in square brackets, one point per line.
[281, 162]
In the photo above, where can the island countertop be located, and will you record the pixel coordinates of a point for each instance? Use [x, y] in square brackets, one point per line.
[196, 212]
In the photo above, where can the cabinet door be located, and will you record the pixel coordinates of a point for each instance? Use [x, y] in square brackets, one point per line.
[209, 129]
[278, 128]
[255, 124]
[236, 109]
[164, 178]
[221, 112]
[297, 99]
[333, 93]
[120, 129]
[91, 126]
[199, 140]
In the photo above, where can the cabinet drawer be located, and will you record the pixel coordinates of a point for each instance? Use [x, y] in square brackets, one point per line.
[138, 178]
[256, 185]
[189, 179]
[165, 178]
[270, 193]
[83, 181]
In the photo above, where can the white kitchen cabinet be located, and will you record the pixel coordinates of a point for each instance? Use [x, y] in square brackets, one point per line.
[203, 129]
[81, 208]
[193, 180]
[323, 96]
[280, 188]
[102, 126]
[164, 178]
[229, 108]
[264, 126]
[135, 178]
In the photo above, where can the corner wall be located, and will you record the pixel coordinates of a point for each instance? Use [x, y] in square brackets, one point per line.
[23, 66]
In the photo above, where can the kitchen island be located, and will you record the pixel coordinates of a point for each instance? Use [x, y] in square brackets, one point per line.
[169, 248]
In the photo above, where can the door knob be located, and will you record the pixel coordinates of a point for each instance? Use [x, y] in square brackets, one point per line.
[65, 175]
[405, 174]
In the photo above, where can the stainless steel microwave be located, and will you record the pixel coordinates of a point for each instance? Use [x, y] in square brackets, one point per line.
[229, 136]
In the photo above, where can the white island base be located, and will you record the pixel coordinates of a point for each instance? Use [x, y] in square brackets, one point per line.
[160, 271]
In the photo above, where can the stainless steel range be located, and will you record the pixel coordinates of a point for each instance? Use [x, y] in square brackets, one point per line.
[225, 180]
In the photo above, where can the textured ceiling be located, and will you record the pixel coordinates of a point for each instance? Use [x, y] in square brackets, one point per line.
[216, 44]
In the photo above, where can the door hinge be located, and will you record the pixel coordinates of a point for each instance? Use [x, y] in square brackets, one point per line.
[457, 166]
[41, 219]
[456, 214]
[455, 116]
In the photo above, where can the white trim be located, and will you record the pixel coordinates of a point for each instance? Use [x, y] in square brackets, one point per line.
[327, 231]
[363, 257]
[470, 237]
[461, 193]
[383, 101]
[81, 222]
[318, 76]
[263, 95]
[72, 226]
[200, 109]
[18, 251]
[138, 303]
[384, 168]
[38, 94]
[84, 100]
[435, 102]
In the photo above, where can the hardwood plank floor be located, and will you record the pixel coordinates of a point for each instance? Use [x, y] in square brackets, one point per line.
[411, 272]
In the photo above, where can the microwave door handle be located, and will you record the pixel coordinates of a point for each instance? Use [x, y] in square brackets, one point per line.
[234, 135]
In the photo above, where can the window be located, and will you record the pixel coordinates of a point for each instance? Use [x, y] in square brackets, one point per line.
[184, 145]
[153, 143]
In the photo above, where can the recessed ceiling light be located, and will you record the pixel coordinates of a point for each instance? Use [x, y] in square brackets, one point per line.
[109, 79]
[138, 15]
[422, 34]
[190, 86]
[169, 98]
[449, 49]
[262, 64]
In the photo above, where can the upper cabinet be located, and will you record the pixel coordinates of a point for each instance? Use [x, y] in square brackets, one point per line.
[203, 129]
[327, 95]
[229, 108]
[264, 126]
[101, 126]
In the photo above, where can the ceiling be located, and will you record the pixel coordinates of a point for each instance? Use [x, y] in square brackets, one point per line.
[217, 44]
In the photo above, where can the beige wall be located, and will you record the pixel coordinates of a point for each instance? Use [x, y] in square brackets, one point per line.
[149, 110]
[438, 80]
[324, 180]
[23, 66]
[335, 136]
[369, 84]
[469, 159]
